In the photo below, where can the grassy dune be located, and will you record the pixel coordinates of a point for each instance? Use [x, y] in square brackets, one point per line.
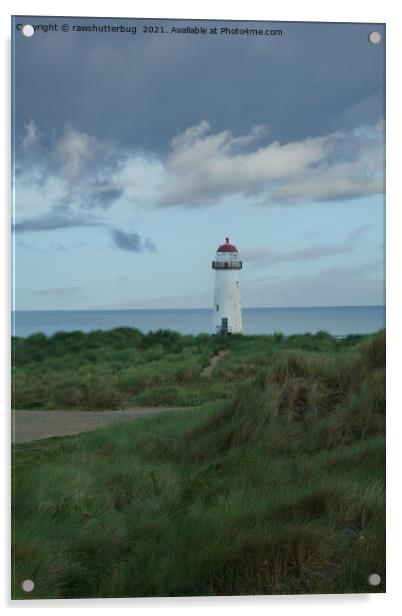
[279, 488]
[123, 367]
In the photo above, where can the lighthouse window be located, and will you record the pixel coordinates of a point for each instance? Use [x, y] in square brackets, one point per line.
[217, 307]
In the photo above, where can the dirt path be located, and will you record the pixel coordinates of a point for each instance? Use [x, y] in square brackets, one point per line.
[206, 373]
[35, 425]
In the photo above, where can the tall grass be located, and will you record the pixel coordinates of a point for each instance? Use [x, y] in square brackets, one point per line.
[123, 367]
[279, 489]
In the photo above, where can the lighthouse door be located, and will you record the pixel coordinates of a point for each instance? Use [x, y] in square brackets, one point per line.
[224, 326]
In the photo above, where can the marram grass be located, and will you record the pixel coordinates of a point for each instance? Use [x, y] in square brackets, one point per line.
[277, 489]
[122, 368]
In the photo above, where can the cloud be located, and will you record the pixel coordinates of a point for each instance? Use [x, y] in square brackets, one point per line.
[58, 292]
[71, 166]
[67, 247]
[263, 257]
[29, 247]
[359, 232]
[195, 300]
[203, 168]
[54, 247]
[75, 150]
[342, 181]
[31, 134]
[311, 233]
[58, 219]
[53, 220]
[332, 286]
[131, 242]
[102, 194]
[149, 245]
[320, 78]
[61, 178]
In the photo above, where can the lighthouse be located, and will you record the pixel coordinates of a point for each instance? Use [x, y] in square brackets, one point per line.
[227, 317]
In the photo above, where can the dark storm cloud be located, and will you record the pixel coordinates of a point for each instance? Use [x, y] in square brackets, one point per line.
[142, 90]
[272, 118]
[131, 242]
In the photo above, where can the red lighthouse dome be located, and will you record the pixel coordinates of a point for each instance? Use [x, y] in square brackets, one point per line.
[227, 247]
[227, 257]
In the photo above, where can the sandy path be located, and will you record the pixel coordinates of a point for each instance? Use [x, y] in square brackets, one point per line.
[35, 425]
[212, 363]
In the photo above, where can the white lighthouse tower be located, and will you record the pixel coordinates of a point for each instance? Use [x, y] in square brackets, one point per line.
[227, 317]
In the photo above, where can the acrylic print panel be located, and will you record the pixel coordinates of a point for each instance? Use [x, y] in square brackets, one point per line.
[198, 320]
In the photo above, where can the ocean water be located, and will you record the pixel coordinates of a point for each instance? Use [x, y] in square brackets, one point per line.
[338, 320]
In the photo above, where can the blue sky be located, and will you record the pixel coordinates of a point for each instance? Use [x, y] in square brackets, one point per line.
[136, 155]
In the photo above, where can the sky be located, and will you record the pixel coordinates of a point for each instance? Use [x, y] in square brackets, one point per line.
[136, 155]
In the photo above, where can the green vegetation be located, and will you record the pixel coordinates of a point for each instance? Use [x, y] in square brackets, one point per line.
[110, 369]
[277, 489]
[124, 368]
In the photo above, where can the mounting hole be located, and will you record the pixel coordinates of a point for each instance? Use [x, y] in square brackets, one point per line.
[374, 579]
[28, 30]
[27, 585]
[374, 38]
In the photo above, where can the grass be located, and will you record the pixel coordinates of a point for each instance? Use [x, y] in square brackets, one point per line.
[277, 489]
[108, 369]
[124, 368]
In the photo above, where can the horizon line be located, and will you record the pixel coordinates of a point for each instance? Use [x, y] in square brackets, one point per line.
[198, 308]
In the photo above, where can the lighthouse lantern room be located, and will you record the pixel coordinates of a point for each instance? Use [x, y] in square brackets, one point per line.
[227, 318]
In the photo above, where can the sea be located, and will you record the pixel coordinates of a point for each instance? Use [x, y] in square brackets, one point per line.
[337, 320]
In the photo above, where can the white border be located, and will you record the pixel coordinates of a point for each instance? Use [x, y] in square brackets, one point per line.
[287, 10]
